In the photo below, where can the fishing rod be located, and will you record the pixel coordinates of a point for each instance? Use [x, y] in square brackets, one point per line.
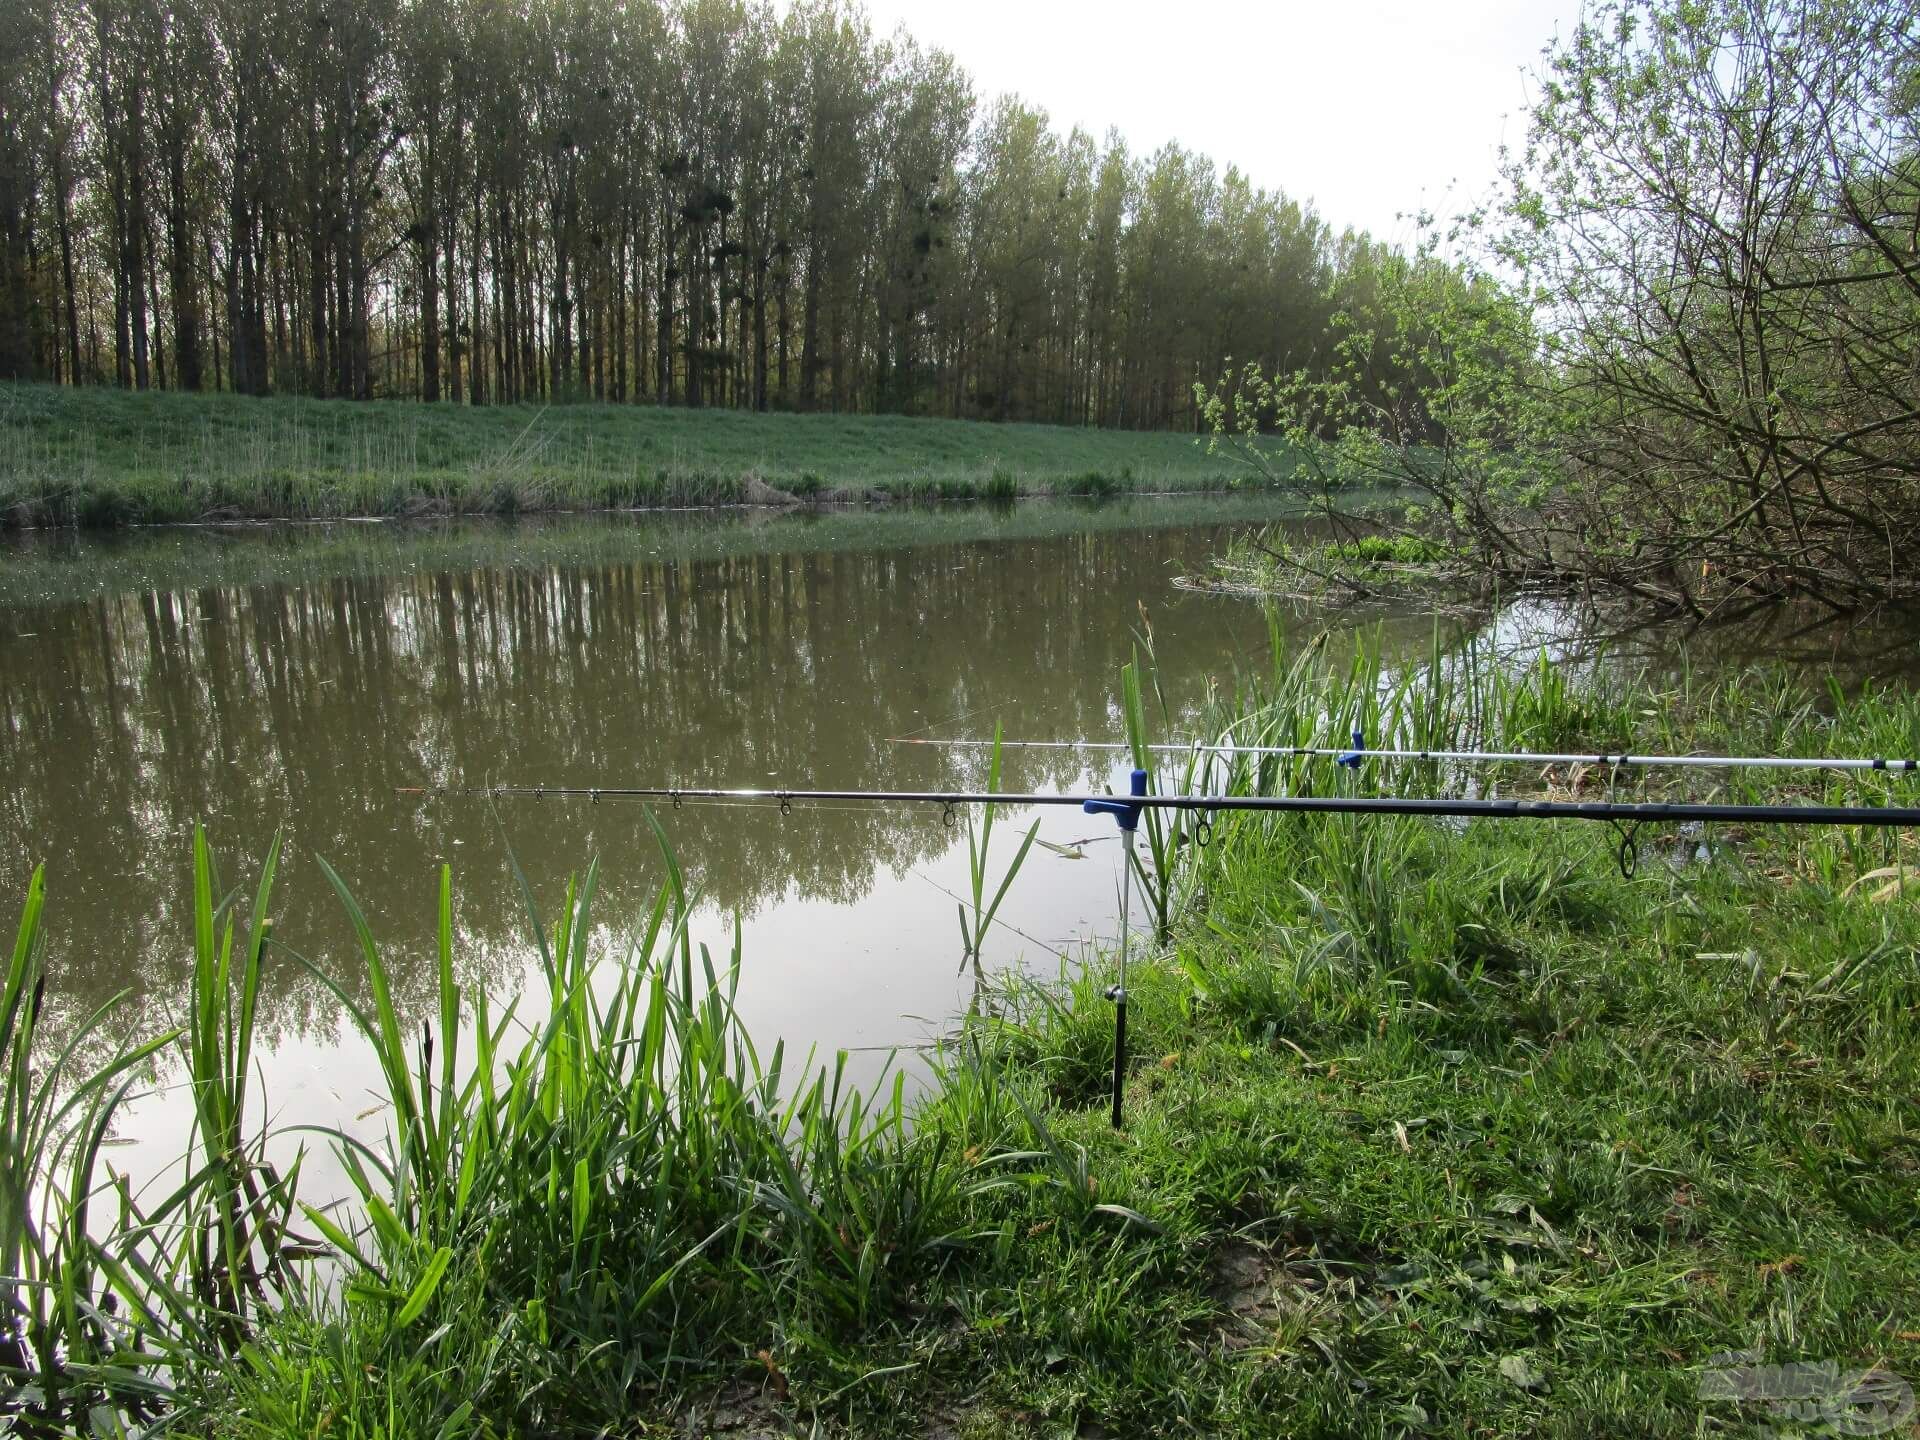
[1613, 811]
[1358, 752]
[1625, 816]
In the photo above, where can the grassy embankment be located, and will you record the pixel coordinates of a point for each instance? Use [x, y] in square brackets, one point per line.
[1430, 1130]
[109, 457]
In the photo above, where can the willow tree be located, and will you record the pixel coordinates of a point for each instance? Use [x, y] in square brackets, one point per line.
[1702, 395]
[1719, 209]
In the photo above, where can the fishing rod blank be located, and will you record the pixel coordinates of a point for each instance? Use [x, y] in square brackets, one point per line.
[1356, 753]
[1617, 812]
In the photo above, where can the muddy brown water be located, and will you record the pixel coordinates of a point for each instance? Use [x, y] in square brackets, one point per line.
[294, 680]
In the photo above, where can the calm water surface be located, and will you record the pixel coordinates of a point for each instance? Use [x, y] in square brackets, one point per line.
[295, 680]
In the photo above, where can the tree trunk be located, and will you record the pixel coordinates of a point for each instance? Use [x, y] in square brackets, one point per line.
[786, 329]
[453, 307]
[760, 333]
[362, 340]
[180, 276]
[63, 223]
[476, 372]
[343, 339]
[810, 323]
[213, 324]
[430, 325]
[133, 260]
[696, 314]
[16, 357]
[560, 323]
[507, 322]
[620, 318]
[590, 378]
[663, 344]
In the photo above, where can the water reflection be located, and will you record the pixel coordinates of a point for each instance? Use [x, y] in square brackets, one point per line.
[263, 704]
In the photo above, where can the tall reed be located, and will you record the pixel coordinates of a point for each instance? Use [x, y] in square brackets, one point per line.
[65, 1347]
[548, 1224]
[973, 933]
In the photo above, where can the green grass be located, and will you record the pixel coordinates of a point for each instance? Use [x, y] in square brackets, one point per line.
[101, 457]
[1388, 549]
[1279, 562]
[1430, 1130]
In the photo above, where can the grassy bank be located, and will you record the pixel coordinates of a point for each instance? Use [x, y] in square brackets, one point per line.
[1430, 1130]
[1368, 568]
[107, 457]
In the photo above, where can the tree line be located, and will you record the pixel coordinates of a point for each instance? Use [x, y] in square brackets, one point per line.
[696, 202]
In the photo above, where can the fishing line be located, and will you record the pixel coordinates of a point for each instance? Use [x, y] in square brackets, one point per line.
[956, 719]
[1003, 924]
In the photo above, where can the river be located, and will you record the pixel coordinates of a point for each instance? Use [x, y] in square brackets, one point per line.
[296, 680]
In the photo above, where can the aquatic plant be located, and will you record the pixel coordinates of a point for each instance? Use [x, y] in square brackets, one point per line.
[61, 1343]
[1165, 831]
[973, 933]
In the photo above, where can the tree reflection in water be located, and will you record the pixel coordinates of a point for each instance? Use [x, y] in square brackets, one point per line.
[127, 715]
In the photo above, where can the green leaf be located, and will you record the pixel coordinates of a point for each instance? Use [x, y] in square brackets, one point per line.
[582, 1199]
[341, 1241]
[423, 1289]
[1132, 1217]
[1521, 1372]
[362, 1291]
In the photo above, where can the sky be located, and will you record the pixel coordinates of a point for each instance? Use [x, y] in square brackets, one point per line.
[1369, 108]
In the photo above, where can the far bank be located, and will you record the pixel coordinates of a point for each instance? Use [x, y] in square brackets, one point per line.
[102, 458]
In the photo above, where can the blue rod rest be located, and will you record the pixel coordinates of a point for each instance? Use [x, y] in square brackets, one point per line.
[1354, 756]
[1127, 815]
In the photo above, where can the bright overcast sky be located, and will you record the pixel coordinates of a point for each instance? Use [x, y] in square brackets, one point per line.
[1366, 107]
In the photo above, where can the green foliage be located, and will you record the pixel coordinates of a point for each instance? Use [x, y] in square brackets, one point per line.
[1388, 549]
[973, 933]
[1158, 873]
[1399, 566]
[1094, 484]
[93, 1323]
[1674, 368]
[627, 1192]
[644, 202]
[1708, 205]
[1500, 1131]
[1435, 391]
